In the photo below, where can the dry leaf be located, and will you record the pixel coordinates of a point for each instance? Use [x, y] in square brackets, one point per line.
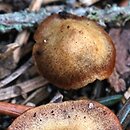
[121, 38]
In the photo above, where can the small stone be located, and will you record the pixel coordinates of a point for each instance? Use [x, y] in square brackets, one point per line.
[90, 105]
[44, 41]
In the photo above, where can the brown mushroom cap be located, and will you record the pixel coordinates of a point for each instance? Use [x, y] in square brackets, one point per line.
[72, 51]
[70, 115]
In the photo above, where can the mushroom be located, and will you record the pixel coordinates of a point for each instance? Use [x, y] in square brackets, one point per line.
[72, 51]
[69, 115]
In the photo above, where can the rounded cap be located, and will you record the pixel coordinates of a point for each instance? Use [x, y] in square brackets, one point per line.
[70, 115]
[72, 51]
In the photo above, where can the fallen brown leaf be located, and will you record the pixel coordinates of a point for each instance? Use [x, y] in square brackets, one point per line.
[121, 38]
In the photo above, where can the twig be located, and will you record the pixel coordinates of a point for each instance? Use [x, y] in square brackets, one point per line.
[16, 74]
[22, 88]
[127, 94]
[124, 114]
[22, 37]
[35, 94]
[5, 7]
[57, 98]
[20, 20]
[14, 110]
[114, 16]
[10, 48]
[88, 2]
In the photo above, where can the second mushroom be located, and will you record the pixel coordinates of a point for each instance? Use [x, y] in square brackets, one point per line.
[72, 51]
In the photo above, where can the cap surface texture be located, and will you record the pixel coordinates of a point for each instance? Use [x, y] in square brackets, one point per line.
[73, 51]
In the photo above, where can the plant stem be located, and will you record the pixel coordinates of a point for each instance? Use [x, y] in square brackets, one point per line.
[113, 16]
[13, 110]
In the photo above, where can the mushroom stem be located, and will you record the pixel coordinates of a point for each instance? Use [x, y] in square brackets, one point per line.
[13, 110]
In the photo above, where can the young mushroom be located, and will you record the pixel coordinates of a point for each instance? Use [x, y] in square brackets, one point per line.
[72, 51]
[69, 115]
